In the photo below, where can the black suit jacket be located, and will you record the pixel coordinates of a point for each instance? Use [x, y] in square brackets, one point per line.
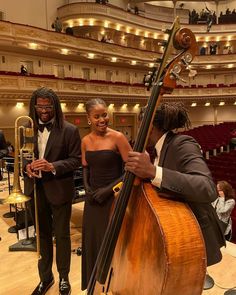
[3, 145]
[63, 150]
[186, 175]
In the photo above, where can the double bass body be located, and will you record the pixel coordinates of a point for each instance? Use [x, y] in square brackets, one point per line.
[160, 249]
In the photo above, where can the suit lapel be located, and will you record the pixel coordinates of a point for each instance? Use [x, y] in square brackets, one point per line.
[51, 139]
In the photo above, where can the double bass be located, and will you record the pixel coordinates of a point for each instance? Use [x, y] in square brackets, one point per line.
[153, 244]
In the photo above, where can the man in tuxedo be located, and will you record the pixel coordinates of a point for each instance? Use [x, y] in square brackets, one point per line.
[179, 168]
[3, 149]
[57, 154]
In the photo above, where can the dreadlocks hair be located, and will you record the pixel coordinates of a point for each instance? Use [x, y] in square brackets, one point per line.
[50, 94]
[93, 102]
[170, 116]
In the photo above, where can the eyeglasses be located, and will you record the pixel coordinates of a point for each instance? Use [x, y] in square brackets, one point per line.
[46, 108]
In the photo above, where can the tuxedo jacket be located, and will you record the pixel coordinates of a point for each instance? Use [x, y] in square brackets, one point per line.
[186, 176]
[63, 151]
[3, 145]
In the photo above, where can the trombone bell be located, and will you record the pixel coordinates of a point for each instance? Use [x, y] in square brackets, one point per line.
[16, 197]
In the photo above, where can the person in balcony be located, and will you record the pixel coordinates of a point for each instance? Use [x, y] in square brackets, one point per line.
[57, 25]
[23, 70]
[224, 205]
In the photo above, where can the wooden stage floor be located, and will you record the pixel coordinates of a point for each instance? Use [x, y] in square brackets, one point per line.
[18, 269]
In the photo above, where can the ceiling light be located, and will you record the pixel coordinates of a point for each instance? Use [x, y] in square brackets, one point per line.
[124, 106]
[133, 62]
[64, 51]
[113, 59]
[80, 105]
[33, 46]
[63, 105]
[91, 55]
[111, 105]
[118, 27]
[136, 106]
[194, 104]
[222, 103]
[127, 29]
[207, 104]
[106, 24]
[235, 103]
[91, 22]
[19, 105]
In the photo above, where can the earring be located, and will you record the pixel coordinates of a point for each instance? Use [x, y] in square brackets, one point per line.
[89, 122]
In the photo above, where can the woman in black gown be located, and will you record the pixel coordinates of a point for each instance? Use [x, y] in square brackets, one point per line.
[104, 151]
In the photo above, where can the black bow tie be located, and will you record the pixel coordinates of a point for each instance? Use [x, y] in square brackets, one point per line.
[47, 125]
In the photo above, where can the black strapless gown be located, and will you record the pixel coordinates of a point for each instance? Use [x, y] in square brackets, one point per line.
[105, 166]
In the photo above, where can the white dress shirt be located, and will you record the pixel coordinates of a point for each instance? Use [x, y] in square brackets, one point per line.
[156, 181]
[42, 143]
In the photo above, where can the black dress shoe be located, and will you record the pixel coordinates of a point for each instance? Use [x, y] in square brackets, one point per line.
[64, 287]
[42, 287]
[209, 282]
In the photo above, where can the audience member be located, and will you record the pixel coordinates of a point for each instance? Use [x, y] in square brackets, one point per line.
[136, 10]
[203, 50]
[57, 25]
[3, 148]
[128, 7]
[224, 205]
[57, 156]
[23, 70]
[213, 48]
[10, 148]
[103, 152]
[69, 31]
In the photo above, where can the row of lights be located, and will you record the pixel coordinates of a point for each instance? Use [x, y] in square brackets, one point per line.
[20, 105]
[207, 104]
[114, 59]
[118, 27]
[139, 32]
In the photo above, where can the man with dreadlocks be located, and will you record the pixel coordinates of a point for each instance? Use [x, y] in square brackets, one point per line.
[179, 168]
[57, 153]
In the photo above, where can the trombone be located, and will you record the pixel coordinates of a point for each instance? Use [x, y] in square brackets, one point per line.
[24, 147]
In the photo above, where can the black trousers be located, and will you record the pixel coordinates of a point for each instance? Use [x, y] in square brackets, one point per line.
[53, 220]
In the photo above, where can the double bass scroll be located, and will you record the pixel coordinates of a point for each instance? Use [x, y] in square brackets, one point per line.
[144, 251]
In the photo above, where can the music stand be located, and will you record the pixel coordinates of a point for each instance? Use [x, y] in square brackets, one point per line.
[27, 244]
